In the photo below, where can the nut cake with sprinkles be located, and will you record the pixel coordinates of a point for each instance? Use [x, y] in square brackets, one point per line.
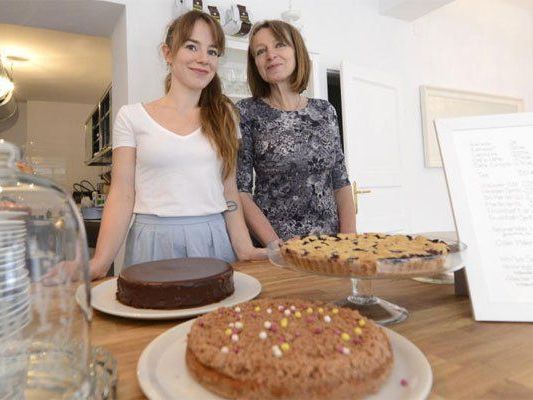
[365, 254]
[288, 349]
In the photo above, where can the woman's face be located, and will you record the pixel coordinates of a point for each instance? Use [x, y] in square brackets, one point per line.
[195, 63]
[275, 60]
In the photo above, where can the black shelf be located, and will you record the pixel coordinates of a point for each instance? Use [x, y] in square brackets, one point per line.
[98, 133]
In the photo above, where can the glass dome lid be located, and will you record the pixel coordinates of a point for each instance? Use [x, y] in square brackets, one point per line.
[45, 349]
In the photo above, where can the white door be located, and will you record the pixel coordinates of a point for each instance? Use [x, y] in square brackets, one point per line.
[372, 147]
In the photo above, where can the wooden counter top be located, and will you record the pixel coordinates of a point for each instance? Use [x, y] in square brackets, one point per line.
[470, 360]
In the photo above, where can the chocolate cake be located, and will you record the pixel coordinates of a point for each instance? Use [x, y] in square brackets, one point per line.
[175, 283]
[287, 349]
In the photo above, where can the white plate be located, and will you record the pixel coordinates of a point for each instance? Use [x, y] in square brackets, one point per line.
[11, 223]
[103, 298]
[9, 213]
[16, 241]
[162, 372]
[12, 232]
[7, 249]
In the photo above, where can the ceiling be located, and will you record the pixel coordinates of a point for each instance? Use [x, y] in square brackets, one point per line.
[86, 17]
[67, 45]
[63, 67]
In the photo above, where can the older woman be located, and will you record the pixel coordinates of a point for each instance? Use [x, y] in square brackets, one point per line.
[291, 142]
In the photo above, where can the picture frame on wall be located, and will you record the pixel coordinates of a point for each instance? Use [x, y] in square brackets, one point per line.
[436, 102]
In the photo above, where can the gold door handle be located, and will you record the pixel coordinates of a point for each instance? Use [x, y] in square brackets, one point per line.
[356, 192]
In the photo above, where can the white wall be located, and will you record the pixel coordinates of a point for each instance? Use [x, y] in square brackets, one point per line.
[55, 143]
[119, 50]
[479, 45]
[135, 42]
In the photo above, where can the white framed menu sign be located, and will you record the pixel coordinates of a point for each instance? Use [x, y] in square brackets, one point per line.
[488, 162]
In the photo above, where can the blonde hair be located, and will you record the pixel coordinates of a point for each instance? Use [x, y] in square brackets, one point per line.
[289, 35]
[218, 116]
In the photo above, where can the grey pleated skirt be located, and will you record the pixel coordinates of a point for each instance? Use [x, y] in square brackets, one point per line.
[153, 238]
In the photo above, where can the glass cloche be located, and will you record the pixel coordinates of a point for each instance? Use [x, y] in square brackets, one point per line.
[45, 348]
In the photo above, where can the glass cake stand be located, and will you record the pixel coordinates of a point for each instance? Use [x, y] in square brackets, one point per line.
[445, 278]
[362, 297]
[103, 373]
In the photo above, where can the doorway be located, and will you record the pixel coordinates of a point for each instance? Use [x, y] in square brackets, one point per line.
[334, 97]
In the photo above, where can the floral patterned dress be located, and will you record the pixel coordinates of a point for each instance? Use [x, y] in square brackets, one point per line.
[298, 164]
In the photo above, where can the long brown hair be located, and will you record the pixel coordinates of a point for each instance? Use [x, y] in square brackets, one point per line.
[289, 35]
[218, 116]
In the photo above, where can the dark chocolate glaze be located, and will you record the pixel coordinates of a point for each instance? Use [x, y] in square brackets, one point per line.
[175, 283]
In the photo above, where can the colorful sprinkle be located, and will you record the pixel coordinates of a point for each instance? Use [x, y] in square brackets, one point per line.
[327, 319]
[362, 322]
[237, 309]
[345, 350]
[284, 322]
[281, 308]
[231, 325]
[317, 331]
[234, 337]
[276, 351]
[358, 331]
[263, 335]
[335, 311]
[404, 382]
[287, 312]
[257, 309]
[293, 308]
[239, 325]
[345, 337]
[224, 350]
[320, 310]
[269, 311]
[309, 310]
[298, 314]
[267, 324]
[228, 331]
[285, 346]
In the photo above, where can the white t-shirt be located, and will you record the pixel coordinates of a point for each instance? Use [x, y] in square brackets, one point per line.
[174, 175]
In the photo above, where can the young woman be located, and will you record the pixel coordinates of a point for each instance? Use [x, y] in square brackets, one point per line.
[174, 162]
[291, 142]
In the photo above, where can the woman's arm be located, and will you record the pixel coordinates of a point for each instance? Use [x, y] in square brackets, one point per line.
[117, 211]
[258, 223]
[237, 230]
[345, 209]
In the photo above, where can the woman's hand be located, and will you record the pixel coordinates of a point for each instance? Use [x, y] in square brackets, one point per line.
[253, 254]
[96, 270]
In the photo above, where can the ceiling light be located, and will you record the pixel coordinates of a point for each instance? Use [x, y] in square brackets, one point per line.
[6, 82]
